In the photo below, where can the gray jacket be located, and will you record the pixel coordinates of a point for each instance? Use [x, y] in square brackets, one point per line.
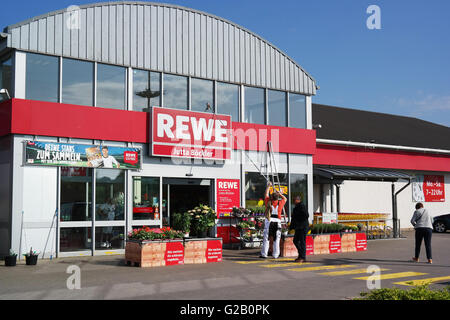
[422, 219]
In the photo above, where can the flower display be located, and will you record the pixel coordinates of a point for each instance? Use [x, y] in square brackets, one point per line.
[147, 233]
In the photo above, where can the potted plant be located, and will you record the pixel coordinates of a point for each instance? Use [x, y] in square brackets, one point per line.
[11, 259]
[182, 222]
[31, 257]
[203, 218]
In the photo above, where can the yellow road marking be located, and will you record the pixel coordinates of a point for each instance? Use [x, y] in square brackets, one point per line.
[263, 261]
[392, 276]
[322, 267]
[347, 272]
[292, 264]
[422, 281]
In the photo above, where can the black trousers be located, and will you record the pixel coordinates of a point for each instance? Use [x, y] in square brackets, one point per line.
[300, 242]
[423, 233]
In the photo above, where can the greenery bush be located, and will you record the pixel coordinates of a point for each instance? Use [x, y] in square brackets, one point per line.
[181, 221]
[420, 292]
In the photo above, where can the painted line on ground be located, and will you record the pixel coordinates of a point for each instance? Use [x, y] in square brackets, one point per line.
[347, 272]
[323, 267]
[422, 281]
[392, 276]
[263, 261]
[291, 264]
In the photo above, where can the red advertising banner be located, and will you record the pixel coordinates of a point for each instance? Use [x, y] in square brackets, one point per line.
[227, 195]
[335, 243]
[361, 242]
[187, 134]
[174, 253]
[434, 188]
[309, 245]
[214, 251]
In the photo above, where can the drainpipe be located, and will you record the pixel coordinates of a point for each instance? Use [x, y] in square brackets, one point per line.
[338, 198]
[394, 207]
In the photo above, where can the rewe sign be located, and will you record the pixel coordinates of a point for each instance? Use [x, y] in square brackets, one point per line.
[187, 134]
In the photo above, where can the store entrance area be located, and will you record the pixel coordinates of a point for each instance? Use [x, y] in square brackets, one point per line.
[181, 195]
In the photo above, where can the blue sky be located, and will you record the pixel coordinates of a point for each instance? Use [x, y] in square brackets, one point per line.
[402, 69]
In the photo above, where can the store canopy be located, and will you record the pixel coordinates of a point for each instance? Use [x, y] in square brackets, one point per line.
[338, 174]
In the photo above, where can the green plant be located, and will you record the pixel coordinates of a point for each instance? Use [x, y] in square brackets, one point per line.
[181, 221]
[420, 292]
[202, 218]
[146, 233]
[31, 253]
[12, 253]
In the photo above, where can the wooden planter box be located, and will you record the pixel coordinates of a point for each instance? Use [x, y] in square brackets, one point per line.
[325, 243]
[154, 253]
[173, 252]
[202, 250]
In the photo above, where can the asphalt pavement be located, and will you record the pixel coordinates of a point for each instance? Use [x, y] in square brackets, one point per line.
[240, 276]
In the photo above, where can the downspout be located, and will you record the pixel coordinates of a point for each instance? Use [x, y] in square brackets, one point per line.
[394, 207]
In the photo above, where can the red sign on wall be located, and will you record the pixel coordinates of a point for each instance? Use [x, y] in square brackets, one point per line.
[187, 134]
[434, 188]
[227, 195]
[214, 251]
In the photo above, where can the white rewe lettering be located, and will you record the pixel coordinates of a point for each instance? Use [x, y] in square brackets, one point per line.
[165, 124]
[221, 133]
[182, 131]
[200, 129]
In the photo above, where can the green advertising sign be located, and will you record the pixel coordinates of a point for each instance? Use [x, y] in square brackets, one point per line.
[79, 155]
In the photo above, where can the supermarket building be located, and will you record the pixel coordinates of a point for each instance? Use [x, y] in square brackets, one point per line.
[185, 103]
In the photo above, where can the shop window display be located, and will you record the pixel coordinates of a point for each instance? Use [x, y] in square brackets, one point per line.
[146, 198]
[255, 186]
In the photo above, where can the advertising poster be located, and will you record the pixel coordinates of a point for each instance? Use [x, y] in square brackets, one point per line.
[174, 254]
[335, 243]
[79, 155]
[214, 251]
[227, 195]
[361, 242]
[428, 188]
[309, 245]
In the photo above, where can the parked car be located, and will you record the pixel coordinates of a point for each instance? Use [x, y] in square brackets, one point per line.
[441, 223]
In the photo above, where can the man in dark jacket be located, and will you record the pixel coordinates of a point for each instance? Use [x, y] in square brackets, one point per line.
[300, 223]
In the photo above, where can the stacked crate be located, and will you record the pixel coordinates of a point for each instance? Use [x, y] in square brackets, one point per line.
[348, 242]
[322, 244]
[195, 251]
[150, 255]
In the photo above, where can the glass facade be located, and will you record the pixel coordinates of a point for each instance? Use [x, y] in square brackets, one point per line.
[146, 198]
[75, 239]
[228, 100]
[297, 111]
[276, 105]
[111, 86]
[76, 194]
[109, 195]
[109, 238]
[77, 82]
[298, 187]
[42, 78]
[6, 75]
[254, 106]
[202, 93]
[175, 92]
[255, 187]
[146, 90]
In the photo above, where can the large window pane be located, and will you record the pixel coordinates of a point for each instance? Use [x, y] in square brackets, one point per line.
[109, 195]
[277, 108]
[228, 100]
[111, 86]
[107, 238]
[75, 239]
[146, 90]
[254, 105]
[78, 82]
[146, 198]
[299, 187]
[6, 75]
[42, 76]
[76, 194]
[175, 92]
[297, 111]
[202, 92]
[255, 186]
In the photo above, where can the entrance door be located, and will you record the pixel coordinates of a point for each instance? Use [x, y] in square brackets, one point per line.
[181, 195]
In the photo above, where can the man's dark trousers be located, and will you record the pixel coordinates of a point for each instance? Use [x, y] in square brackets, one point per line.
[423, 233]
[300, 242]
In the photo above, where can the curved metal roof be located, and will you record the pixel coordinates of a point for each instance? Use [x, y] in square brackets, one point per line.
[163, 37]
